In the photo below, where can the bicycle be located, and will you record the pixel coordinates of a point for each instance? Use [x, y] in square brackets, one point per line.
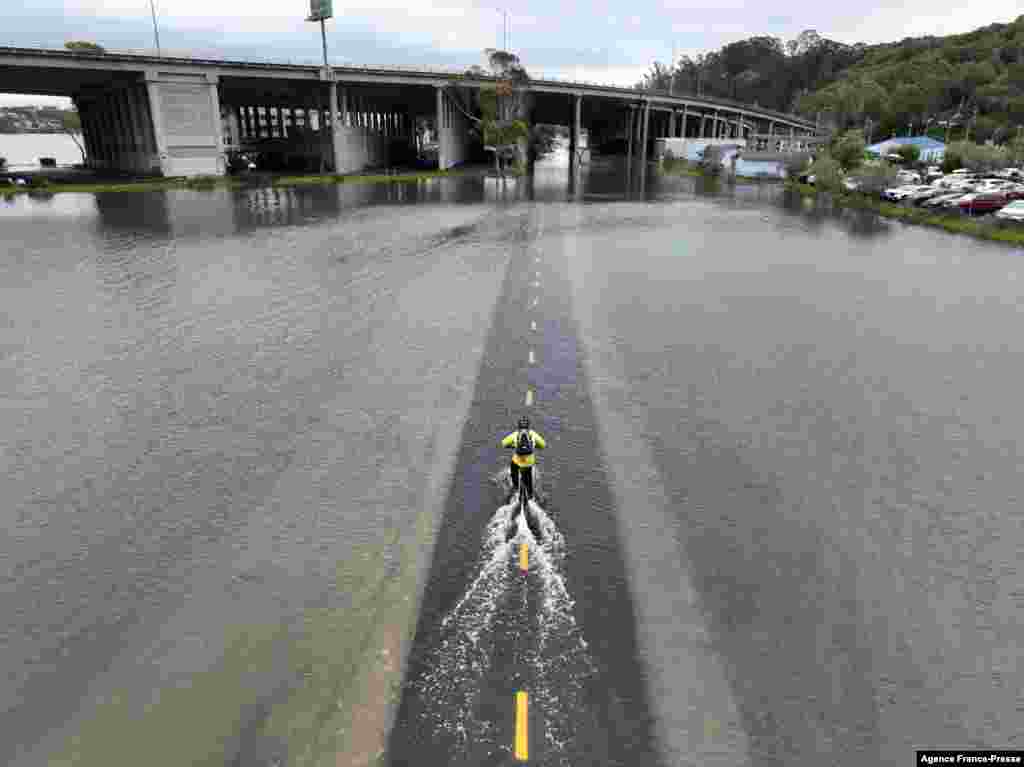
[523, 507]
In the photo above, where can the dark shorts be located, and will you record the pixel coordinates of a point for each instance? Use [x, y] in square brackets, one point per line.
[527, 474]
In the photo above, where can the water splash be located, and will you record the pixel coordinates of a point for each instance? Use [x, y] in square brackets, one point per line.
[557, 656]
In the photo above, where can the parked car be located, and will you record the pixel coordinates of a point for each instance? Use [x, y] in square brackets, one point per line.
[909, 176]
[851, 185]
[926, 194]
[901, 192]
[984, 202]
[1012, 212]
[942, 199]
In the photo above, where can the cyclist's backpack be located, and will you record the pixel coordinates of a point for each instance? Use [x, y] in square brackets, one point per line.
[524, 444]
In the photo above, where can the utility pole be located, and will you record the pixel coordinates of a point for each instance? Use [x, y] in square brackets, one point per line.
[672, 81]
[156, 32]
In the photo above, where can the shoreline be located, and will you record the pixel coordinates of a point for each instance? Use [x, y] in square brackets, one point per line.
[206, 183]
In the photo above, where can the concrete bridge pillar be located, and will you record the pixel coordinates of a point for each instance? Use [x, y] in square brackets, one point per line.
[185, 110]
[643, 146]
[452, 131]
[574, 133]
[337, 149]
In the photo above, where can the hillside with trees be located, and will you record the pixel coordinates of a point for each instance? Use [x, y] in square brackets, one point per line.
[970, 84]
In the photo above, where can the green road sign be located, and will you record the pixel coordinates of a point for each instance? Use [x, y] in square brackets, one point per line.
[320, 9]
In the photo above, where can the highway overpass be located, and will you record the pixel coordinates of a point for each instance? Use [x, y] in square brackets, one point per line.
[178, 116]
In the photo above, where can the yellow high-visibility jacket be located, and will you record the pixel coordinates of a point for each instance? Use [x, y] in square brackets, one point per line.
[512, 440]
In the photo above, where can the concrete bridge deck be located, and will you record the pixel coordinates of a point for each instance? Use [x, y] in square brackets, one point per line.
[177, 115]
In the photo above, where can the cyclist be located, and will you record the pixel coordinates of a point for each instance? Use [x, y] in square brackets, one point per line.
[523, 441]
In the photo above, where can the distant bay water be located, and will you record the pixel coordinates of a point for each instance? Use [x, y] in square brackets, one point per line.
[23, 150]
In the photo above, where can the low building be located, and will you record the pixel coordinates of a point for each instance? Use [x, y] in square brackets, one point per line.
[930, 149]
[761, 164]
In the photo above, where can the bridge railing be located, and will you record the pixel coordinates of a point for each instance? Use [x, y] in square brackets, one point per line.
[199, 54]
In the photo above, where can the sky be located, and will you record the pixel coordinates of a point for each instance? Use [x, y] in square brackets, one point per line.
[596, 40]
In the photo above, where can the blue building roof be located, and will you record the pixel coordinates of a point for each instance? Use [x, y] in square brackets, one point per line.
[924, 143]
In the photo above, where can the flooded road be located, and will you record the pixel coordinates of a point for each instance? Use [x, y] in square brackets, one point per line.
[252, 477]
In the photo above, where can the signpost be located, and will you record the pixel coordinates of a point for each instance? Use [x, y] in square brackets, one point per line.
[321, 10]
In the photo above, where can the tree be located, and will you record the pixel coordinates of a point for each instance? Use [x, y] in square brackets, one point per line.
[84, 46]
[796, 163]
[71, 122]
[827, 172]
[501, 106]
[951, 160]
[848, 149]
[711, 160]
[875, 177]
[909, 153]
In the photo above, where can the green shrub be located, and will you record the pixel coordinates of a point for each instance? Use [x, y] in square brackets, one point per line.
[828, 173]
[874, 178]
[848, 149]
[796, 163]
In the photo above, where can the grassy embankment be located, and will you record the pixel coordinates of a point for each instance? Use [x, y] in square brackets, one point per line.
[347, 667]
[229, 182]
[987, 229]
[374, 178]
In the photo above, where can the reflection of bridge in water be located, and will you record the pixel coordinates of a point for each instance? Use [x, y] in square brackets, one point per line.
[179, 116]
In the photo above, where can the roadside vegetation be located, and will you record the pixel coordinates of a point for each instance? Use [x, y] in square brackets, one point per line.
[853, 178]
[208, 183]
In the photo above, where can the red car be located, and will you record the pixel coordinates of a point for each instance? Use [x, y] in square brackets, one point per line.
[983, 203]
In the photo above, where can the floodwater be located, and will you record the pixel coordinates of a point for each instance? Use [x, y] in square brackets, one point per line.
[254, 505]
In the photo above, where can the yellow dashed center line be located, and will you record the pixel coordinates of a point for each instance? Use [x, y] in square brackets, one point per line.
[529, 397]
[533, 324]
[522, 739]
[534, 302]
[524, 557]
[533, 360]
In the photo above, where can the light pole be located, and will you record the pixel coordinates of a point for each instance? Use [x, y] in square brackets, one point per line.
[504, 29]
[672, 81]
[156, 32]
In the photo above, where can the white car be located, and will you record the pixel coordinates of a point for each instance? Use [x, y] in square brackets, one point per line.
[943, 199]
[1012, 212]
[909, 177]
[902, 192]
[852, 185]
[927, 193]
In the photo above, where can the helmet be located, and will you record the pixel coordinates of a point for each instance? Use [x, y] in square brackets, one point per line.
[524, 423]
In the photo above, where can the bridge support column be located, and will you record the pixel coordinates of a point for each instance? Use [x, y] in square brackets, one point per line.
[643, 147]
[185, 110]
[452, 133]
[630, 135]
[574, 133]
[337, 148]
